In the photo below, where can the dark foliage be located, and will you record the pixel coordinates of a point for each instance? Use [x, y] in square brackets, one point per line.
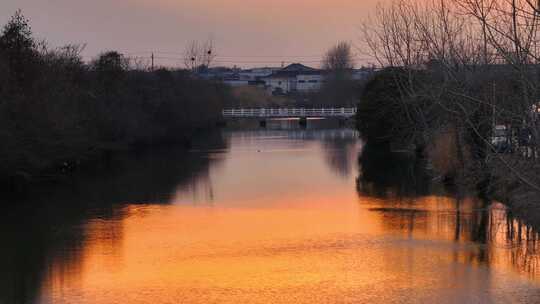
[387, 174]
[56, 111]
[388, 112]
[18, 49]
[339, 90]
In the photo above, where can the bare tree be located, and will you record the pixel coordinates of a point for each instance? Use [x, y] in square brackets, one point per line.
[199, 55]
[478, 60]
[339, 58]
[339, 88]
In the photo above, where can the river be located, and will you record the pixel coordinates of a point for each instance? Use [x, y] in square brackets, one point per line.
[275, 215]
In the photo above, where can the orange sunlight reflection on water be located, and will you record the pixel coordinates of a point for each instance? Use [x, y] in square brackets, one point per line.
[314, 252]
[307, 238]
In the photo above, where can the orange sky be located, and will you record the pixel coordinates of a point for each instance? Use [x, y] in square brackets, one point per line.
[246, 32]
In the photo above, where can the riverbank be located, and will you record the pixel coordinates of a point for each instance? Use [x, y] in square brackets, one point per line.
[21, 182]
[59, 112]
[519, 194]
[411, 109]
[477, 92]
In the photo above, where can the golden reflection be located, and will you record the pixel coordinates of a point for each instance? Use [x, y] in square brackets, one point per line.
[283, 228]
[314, 252]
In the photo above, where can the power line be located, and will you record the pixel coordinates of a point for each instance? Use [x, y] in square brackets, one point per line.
[237, 56]
[230, 57]
[243, 61]
[253, 56]
[251, 61]
[151, 57]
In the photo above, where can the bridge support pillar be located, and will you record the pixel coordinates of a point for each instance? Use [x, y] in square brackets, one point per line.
[262, 123]
[303, 122]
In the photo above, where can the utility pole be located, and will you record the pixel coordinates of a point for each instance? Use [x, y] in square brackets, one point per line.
[152, 61]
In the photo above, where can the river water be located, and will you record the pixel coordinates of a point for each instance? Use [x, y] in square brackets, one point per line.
[275, 215]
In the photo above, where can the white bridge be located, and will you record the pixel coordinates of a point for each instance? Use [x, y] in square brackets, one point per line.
[290, 113]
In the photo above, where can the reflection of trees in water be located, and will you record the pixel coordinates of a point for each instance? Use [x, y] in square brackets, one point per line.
[523, 243]
[403, 219]
[340, 153]
[46, 234]
[339, 146]
[408, 204]
[385, 174]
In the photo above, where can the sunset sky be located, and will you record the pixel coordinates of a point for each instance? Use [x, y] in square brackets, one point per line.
[246, 32]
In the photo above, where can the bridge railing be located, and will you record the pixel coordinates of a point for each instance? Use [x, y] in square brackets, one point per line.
[289, 112]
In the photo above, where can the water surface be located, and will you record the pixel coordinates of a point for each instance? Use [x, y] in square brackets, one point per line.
[276, 215]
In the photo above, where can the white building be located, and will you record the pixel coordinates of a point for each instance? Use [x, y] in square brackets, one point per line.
[280, 83]
[362, 74]
[236, 82]
[256, 73]
[294, 78]
[309, 82]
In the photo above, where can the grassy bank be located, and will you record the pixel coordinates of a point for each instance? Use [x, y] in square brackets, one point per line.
[57, 111]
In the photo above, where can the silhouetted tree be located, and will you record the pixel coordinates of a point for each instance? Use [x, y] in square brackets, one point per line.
[338, 64]
[199, 56]
[388, 114]
[18, 48]
[339, 59]
[56, 110]
[111, 68]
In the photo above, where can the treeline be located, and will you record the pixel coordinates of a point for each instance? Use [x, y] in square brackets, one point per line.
[340, 89]
[57, 111]
[461, 85]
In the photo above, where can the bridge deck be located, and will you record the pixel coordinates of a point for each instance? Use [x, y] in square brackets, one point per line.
[289, 113]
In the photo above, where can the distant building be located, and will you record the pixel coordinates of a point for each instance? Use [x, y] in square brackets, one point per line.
[362, 73]
[294, 78]
[218, 73]
[309, 82]
[256, 74]
[236, 82]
